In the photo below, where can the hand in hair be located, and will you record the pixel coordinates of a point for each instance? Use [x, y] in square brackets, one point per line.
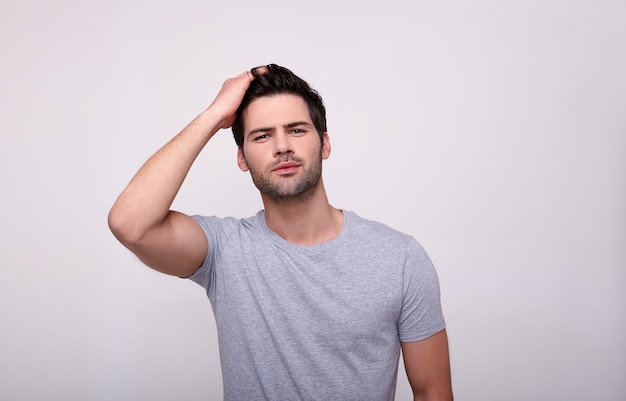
[229, 97]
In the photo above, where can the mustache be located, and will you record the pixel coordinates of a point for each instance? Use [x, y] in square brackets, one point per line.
[287, 158]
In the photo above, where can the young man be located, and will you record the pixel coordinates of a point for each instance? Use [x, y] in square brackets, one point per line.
[310, 302]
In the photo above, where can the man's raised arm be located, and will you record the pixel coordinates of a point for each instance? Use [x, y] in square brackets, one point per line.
[141, 219]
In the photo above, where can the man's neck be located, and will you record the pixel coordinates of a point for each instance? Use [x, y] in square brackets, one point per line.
[307, 221]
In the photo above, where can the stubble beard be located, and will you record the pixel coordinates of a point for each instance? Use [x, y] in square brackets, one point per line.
[290, 188]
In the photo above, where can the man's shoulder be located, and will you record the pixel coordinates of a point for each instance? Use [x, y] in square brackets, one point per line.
[215, 226]
[375, 229]
[228, 220]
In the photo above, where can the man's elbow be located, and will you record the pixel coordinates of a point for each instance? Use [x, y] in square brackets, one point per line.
[123, 229]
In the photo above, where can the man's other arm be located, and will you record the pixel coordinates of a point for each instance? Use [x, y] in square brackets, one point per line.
[141, 219]
[427, 364]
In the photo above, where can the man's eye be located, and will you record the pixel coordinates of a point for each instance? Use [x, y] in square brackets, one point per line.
[297, 131]
[260, 137]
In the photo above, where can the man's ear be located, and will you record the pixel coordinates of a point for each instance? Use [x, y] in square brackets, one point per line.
[325, 146]
[241, 160]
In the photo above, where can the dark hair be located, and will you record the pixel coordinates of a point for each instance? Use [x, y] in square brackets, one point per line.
[277, 80]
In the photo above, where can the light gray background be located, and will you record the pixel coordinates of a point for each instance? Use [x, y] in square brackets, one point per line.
[492, 131]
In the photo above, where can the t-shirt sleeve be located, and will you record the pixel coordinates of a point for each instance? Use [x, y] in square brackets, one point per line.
[421, 315]
[217, 231]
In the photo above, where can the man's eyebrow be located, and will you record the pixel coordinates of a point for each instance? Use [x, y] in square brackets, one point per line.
[297, 124]
[263, 129]
[270, 129]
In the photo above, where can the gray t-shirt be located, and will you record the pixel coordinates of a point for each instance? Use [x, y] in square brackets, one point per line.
[319, 322]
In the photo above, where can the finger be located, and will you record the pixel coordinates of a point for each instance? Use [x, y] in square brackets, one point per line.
[243, 74]
[260, 70]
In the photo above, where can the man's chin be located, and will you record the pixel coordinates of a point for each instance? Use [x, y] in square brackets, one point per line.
[288, 195]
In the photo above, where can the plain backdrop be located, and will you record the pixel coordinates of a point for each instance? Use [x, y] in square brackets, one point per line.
[494, 132]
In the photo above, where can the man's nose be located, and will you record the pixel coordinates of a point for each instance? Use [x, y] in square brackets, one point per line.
[282, 143]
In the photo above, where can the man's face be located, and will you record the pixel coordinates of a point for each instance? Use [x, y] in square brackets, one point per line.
[281, 147]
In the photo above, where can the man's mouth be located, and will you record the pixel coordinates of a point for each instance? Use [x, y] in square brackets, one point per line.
[286, 167]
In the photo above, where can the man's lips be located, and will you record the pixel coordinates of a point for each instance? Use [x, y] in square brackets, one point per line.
[286, 167]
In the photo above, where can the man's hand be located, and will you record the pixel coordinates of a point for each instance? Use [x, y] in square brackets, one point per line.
[229, 97]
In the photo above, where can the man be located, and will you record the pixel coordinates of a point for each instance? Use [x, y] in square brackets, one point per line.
[311, 302]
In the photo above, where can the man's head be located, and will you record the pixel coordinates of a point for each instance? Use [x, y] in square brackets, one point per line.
[277, 80]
